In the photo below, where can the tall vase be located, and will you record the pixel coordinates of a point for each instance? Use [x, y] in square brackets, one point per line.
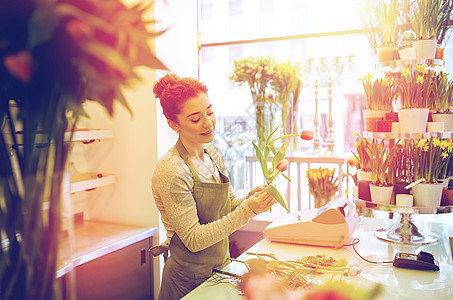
[260, 118]
[289, 121]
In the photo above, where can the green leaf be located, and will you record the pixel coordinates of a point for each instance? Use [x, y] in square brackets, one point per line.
[272, 190]
[42, 26]
[259, 156]
[269, 138]
[278, 157]
[287, 178]
[272, 147]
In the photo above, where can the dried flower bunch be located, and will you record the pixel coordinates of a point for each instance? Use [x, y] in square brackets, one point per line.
[322, 182]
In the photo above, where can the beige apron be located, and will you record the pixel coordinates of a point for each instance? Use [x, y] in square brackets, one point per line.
[185, 270]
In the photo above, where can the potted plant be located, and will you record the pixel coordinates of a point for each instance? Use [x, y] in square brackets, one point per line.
[387, 15]
[322, 184]
[427, 21]
[380, 94]
[400, 167]
[428, 157]
[414, 89]
[443, 103]
[381, 186]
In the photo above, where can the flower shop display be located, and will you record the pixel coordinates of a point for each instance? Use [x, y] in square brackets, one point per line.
[322, 184]
[60, 54]
[266, 76]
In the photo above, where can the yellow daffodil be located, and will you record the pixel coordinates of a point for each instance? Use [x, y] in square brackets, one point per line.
[444, 155]
[406, 72]
[421, 68]
[420, 79]
[421, 143]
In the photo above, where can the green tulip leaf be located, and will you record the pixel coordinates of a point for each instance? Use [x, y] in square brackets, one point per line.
[269, 138]
[259, 156]
[272, 147]
[287, 178]
[278, 157]
[272, 190]
[266, 152]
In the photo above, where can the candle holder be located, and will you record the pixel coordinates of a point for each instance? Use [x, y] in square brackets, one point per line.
[327, 70]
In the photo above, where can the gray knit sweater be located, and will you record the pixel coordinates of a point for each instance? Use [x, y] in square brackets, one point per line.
[172, 186]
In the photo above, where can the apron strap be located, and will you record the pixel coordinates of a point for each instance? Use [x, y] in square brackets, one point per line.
[185, 156]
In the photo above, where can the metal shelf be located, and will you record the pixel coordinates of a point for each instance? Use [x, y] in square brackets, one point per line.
[404, 231]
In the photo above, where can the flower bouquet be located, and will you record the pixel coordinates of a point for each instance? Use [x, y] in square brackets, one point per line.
[323, 184]
[362, 155]
[257, 72]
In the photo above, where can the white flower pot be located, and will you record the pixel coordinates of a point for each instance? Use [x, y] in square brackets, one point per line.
[446, 118]
[413, 119]
[435, 127]
[364, 175]
[427, 194]
[425, 49]
[407, 53]
[381, 194]
[444, 181]
[395, 126]
[404, 200]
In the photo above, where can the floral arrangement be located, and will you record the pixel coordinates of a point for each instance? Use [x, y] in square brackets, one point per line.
[264, 74]
[362, 156]
[415, 88]
[271, 278]
[279, 163]
[380, 93]
[322, 184]
[60, 54]
[400, 165]
[431, 158]
[380, 163]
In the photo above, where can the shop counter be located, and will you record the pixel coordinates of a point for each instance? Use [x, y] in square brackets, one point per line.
[398, 283]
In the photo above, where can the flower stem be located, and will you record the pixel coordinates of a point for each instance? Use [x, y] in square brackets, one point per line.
[283, 136]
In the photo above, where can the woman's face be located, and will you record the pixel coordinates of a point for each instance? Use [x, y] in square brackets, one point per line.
[196, 122]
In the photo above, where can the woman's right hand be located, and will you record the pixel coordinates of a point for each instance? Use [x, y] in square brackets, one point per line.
[260, 201]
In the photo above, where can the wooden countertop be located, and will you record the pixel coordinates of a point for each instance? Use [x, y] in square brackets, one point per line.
[94, 239]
